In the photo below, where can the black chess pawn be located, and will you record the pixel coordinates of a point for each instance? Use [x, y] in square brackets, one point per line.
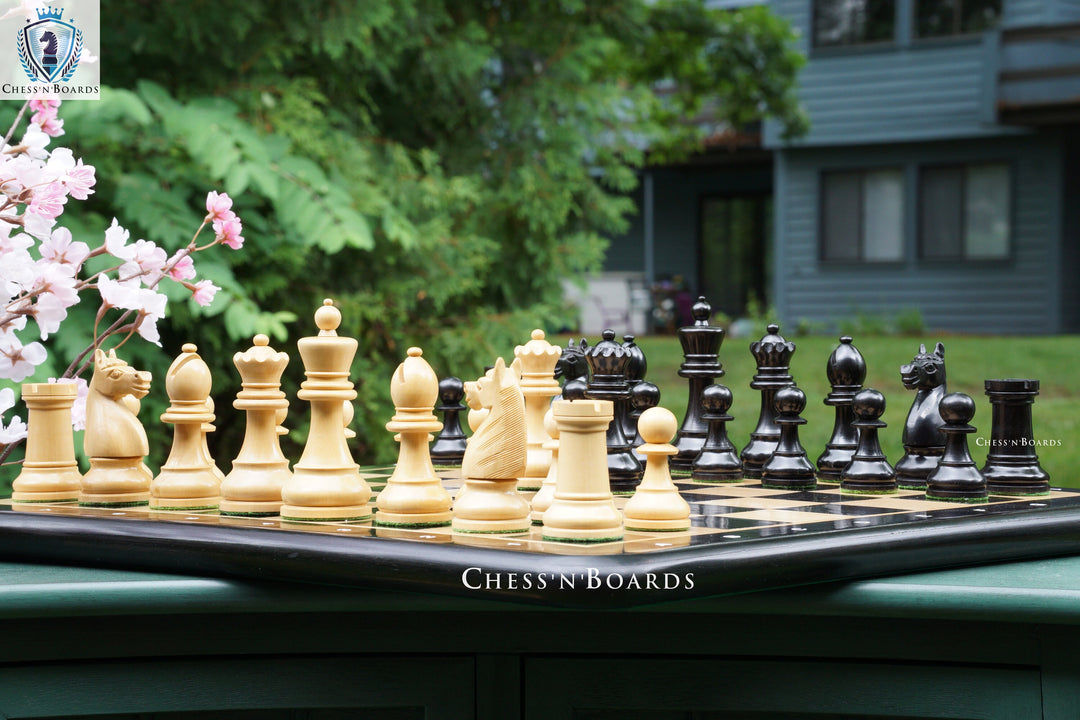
[846, 371]
[868, 472]
[773, 355]
[957, 477]
[608, 363]
[1012, 465]
[701, 349]
[635, 373]
[643, 396]
[449, 447]
[923, 441]
[789, 468]
[718, 461]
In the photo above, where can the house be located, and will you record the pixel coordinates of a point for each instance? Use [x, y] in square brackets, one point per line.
[941, 174]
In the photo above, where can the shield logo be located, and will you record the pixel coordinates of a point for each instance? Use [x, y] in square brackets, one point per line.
[50, 48]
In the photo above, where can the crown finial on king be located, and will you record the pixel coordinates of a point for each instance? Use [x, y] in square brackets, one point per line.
[537, 359]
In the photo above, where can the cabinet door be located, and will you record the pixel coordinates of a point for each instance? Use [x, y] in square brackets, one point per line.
[243, 688]
[669, 689]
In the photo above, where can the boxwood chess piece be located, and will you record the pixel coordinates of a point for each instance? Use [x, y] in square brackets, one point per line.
[657, 505]
[773, 355]
[1012, 465]
[608, 362]
[789, 468]
[538, 358]
[923, 440]
[956, 478]
[718, 460]
[49, 471]
[701, 349]
[868, 472]
[846, 371]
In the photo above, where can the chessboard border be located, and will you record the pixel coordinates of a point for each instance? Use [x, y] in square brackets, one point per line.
[402, 565]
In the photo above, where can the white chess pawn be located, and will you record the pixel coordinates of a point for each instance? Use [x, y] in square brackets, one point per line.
[657, 505]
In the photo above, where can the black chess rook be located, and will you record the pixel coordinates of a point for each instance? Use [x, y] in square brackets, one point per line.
[1012, 465]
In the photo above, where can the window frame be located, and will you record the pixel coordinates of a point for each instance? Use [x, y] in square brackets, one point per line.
[963, 165]
[861, 260]
[817, 47]
[958, 32]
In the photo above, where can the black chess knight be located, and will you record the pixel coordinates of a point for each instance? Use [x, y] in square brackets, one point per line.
[701, 348]
[923, 440]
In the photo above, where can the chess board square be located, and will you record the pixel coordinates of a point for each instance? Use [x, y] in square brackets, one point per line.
[892, 502]
[788, 516]
[734, 490]
[730, 521]
[761, 502]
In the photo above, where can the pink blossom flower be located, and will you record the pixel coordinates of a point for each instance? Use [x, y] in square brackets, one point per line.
[203, 292]
[28, 8]
[116, 239]
[34, 142]
[228, 232]
[115, 294]
[54, 279]
[48, 201]
[18, 272]
[17, 362]
[59, 248]
[52, 126]
[80, 179]
[78, 409]
[45, 105]
[183, 269]
[14, 432]
[218, 206]
[152, 309]
[38, 225]
[49, 311]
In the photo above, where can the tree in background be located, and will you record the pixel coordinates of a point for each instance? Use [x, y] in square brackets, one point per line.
[435, 166]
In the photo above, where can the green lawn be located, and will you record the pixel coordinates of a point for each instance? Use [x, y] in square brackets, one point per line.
[968, 361]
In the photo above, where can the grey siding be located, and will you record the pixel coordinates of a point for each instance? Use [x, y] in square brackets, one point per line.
[1019, 295]
[1070, 265]
[911, 91]
[1021, 13]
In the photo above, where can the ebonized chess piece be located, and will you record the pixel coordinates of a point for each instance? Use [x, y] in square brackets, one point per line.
[789, 468]
[449, 447]
[608, 362]
[326, 483]
[701, 349]
[643, 396]
[957, 477]
[635, 373]
[187, 481]
[253, 487]
[718, 460]
[49, 472]
[773, 355]
[1012, 465]
[494, 461]
[583, 509]
[537, 360]
[657, 505]
[115, 440]
[923, 440]
[414, 496]
[572, 364]
[846, 370]
[869, 472]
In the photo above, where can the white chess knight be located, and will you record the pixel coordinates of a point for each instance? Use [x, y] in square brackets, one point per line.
[494, 460]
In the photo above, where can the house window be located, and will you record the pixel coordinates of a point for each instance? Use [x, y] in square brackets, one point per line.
[937, 18]
[862, 215]
[965, 212]
[853, 22]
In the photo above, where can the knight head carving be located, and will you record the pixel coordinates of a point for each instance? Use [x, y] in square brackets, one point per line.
[114, 378]
[926, 370]
[572, 363]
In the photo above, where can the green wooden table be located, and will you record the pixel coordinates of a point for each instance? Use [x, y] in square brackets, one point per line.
[997, 641]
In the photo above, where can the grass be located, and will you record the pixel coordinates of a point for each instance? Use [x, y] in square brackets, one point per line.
[968, 359]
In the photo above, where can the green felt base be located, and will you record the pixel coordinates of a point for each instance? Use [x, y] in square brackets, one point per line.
[137, 503]
[964, 501]
[912, 487]
[446, 467]
[657, 530]
[792, 488]
[247, 514]
[681, 473]
[492, 532]
[575, 541]
[538, 523]
[410, 526]
[710, 481]
[1020, 494]
[364, 518]
[197, 508]
[45, 502]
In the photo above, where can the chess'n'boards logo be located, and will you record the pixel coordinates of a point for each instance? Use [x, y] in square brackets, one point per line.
[50, 48]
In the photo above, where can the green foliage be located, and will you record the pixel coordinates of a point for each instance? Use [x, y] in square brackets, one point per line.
[435, 167]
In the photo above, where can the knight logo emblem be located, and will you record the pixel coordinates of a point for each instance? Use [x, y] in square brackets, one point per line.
[50, 48]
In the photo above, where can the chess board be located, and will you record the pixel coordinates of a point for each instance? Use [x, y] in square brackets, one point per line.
[743, 537]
